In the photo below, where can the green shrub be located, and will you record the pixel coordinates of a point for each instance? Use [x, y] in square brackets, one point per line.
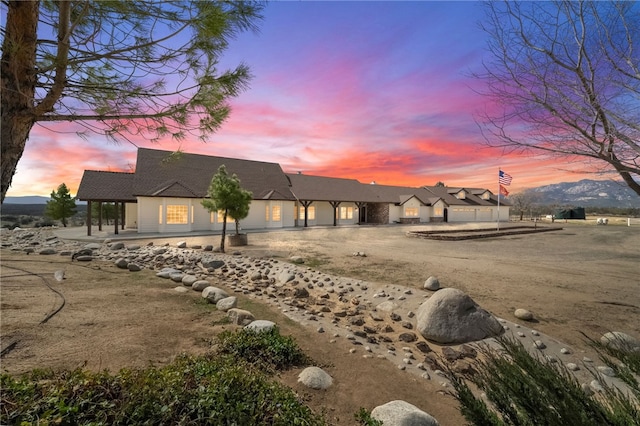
[527, 390]
[363, 417]
[203, 390]
[268, 350]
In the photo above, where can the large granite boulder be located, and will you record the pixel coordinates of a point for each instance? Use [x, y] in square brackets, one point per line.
[401, 413]
[451, 316]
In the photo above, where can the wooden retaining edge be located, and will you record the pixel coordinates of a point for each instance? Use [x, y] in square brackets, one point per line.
[474, 234]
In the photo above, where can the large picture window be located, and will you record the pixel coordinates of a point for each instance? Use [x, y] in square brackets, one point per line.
[177, 215]
[411, 212]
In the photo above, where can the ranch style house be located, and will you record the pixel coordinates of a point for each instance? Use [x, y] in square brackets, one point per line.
[163, 195]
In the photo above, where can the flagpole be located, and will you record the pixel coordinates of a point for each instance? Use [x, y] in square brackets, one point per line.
[498, 225]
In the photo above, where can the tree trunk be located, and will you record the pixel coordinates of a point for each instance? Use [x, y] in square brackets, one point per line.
[224, 231]
[18, 83]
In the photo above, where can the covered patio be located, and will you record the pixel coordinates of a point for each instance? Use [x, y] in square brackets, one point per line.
[106, 187]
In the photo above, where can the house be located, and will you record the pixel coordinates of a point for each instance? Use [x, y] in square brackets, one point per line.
[164, 195]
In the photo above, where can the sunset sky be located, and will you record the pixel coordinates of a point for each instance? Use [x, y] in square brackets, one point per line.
[375, 91]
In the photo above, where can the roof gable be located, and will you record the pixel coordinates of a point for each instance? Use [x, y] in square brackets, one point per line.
[106, 186]
[190, 175]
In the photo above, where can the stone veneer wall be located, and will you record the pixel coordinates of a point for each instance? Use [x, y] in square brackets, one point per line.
[409, 220]
[378, 213]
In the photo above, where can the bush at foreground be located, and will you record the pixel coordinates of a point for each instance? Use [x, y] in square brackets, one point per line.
[525, 390]
[213, 389]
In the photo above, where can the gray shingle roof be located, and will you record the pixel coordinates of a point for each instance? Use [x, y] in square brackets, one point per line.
[320, 188]
[171, 174]
[106, 186]
[401, 194]
[472, 196]
[177, 174]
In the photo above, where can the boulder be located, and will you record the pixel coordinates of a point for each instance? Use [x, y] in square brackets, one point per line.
[387, 306]
[122, 263]
[214, 294]
[401, 413]
[188, 280]
[200, 285]
[166, 272]
[315, 378]
[176, 276]
[523, 314]
[621, 341]
[432, 284]
[260, 325]
[451, 316]
[240, 316]
[117, 246]
[227, 303]
[285, 277]
[134, 267]
[212, 264]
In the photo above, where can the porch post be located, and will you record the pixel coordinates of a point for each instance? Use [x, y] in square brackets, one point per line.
[88, 218]
[360, 205]
[99, 215]
[122, 205]
[335, 205]
[306, 205]
[115, 213]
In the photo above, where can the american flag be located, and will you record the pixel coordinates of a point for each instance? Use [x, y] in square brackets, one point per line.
[504, 178]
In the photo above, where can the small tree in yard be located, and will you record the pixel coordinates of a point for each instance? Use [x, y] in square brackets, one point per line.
[226, 195]
[61, 206]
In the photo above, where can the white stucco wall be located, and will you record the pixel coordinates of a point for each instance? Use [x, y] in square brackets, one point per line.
[395, 212]
[324, 213]
[146, 215]
[130, 215]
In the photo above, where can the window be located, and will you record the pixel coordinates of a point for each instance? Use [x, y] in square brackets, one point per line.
[160, 215]
[461, 195]
[311, 215]
[486, 195]
[438, 211]
[346, 212]
[221, 217]
[411, 212]
[275, 213]
[177, 214]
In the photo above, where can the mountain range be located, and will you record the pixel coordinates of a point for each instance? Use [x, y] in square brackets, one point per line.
[584, 193]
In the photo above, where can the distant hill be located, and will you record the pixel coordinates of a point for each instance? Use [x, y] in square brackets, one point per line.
[29, 199]
[586, 193]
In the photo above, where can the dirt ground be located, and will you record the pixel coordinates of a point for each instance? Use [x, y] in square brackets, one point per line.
[581, 279]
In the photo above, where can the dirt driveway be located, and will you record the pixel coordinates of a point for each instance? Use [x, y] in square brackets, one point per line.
[579, 279]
